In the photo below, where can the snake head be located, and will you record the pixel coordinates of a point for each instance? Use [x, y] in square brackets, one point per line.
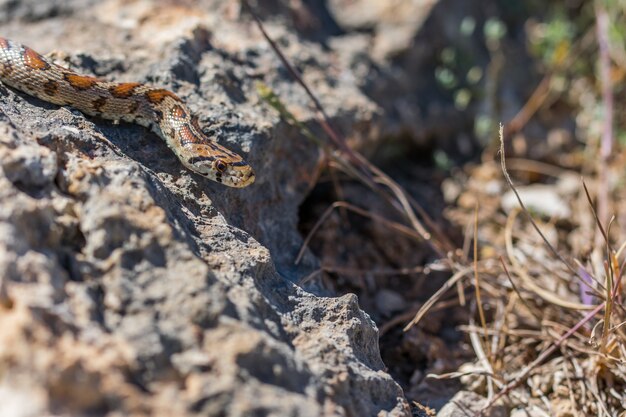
[230, 170]
[202, 154]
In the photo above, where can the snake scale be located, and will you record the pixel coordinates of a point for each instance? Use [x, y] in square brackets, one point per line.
[158, 109]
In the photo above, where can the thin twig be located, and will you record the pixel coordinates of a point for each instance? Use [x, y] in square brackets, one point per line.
[450, 283]
[549, 296]
[606, 145]
[531, 106]
[525, 210]
[479, 302]
[519, 294]
[343, 204]
[402, 202]
[296, 76]
[602, 34]
[595, 213]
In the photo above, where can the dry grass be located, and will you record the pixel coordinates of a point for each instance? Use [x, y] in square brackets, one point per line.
[550, 345]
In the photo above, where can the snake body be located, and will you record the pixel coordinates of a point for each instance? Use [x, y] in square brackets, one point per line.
[158, 109]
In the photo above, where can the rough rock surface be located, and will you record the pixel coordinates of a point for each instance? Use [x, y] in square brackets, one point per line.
[128, 285]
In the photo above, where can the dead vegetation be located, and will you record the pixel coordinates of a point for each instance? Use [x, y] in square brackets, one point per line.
[539, 278]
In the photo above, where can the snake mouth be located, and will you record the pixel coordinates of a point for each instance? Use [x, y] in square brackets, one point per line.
[248, 180]
[241, 179]
[237, 175]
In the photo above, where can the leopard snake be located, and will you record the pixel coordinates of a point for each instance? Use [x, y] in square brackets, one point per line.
[160, 110]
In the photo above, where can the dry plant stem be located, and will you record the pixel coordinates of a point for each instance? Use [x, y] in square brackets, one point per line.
[528, 281]
[519, 295]
[618, 326]
[404, 316]
[309, 277]
[450, 283]
[500, 326]
[570, 389]
[450, 375]
[408, 204]
[295, 75]
[467, 241]
[338, 193]
[587, 285]
[479, 303]
[533, 104]
[402, 202]
[483, 358]
[382, 178]
[610, 278]
[336, 159]
[525, 210]
[600, 402]
[602, 34]
[351, 170]
[595, 215]
[612, 270]
[618, 254]
[528, 334]
[440, 246]
[380, 272]
[542, 91]
[442, 238]
[552, 330]
[393, 225]
[522, 164]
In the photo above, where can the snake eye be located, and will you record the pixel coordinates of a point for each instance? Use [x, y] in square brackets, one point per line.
[220, 165]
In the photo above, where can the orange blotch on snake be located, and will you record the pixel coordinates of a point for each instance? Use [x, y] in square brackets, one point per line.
[123, 90]
[33, 60]
[80, 82]
[157, 96]
[4, 43]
